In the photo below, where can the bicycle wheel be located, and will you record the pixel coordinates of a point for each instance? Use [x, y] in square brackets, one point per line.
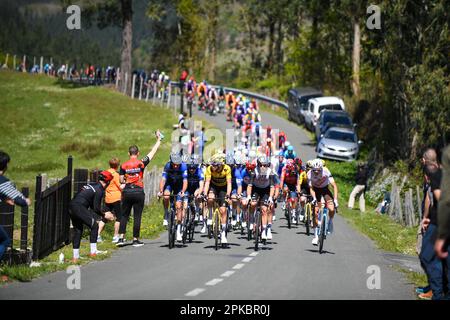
[249, 231]
[191, 227]
[210, 229]
[257, 230]
[216, 228]
[322, 231]
[186, 225]
[307, 217]
[289, 214]
[171, 229]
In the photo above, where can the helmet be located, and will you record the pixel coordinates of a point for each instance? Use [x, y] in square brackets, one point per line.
[317, 164]
[105, 176]
[280, 153]
[194, 162]
[287, 144]
[218, 158]
[290, 148]
[309, 164]
[263, 160]
[250, 165]
[290, 166]
[269, 140]
[175, 158]
[298, 162]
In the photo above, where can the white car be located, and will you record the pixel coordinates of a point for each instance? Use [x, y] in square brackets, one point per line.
[316, 105]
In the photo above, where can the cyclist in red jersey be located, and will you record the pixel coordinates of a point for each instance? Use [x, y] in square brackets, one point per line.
[132, 175]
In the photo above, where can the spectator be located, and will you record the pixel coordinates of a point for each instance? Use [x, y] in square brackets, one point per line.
[428, 257]
[113, 196]
[90, 197]
[132, 175]
[442, 243]
[361, 182]
[199, 140]
[10, 195]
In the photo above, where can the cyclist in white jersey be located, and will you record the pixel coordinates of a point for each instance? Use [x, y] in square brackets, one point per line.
[319, 179]
[261, 189]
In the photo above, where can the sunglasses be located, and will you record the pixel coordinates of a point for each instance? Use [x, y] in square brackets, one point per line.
[316, 171]
[265, 165]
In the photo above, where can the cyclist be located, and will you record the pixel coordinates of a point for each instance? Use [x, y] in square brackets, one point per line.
[230, 100]
[212, 98]
[281, 139]
[202, 91]
[260, 190]
[236, 189]
[218, 186]
[191, 86]
[289, 181]
[290, 153]
[90, 197]
[196, 179]
[133, 196]
[303, 185]
[174, 181]
[239, 115]
[319, 180]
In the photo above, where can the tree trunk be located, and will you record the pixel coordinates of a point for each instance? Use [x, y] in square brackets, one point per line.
[269, 65]
[279, 49]
[127, 42]
[214, 25]
[356, 58]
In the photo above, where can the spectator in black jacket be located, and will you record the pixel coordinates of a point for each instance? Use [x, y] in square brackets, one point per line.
[10, 195]
[360, 188]
[90, 197]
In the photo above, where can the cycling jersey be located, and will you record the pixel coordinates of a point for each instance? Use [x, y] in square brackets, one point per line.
[303, 180]
[236, 177]
[194, 179]
[90, 196]
[290, 178]
[288, 155]
[321, 180]
[262, 180]
[133, 171]
[218, 178]
[173, 175]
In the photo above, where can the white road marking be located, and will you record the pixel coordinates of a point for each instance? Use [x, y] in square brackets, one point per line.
[253, 254]
[248, 259]
[227, 273]
[238, 266]
[194, 292]
[213, 282]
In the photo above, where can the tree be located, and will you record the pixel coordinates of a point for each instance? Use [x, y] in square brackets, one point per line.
[116, 13]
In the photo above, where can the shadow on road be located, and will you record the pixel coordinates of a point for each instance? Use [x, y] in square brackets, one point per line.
[317, 251]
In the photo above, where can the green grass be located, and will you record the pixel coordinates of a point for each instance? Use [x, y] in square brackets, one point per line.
[45, 120]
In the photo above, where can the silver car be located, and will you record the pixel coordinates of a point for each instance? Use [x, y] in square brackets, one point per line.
[339, 144]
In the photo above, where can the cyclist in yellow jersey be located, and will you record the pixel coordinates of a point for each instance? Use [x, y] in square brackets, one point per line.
[218, 186]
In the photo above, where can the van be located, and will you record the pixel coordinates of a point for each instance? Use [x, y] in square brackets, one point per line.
[298, 102]
[316, 105]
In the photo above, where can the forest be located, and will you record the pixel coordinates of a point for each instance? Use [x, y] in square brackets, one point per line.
[395, 79]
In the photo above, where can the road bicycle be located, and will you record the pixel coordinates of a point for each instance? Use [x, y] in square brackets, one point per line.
[189, 221]
[309, 213]
[324, 226]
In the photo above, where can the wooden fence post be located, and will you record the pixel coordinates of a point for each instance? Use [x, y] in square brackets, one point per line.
[14, 62]
[133, 86]
[148, 91]
[125, 83]
[168, 98]
[399, 207]
[44, 181]
[140, 88]
[419, 202]
[24, 66]
[24, 222]
[117, 78]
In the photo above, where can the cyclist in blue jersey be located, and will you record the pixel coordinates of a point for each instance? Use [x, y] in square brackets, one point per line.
[174, 181]
[236, 188]
[246, 174]
[196, 179]
[290, 153]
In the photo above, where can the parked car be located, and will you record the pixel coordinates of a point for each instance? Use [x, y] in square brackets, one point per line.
[298, 102]
[317, 105]
[332, 118]
[339, 144]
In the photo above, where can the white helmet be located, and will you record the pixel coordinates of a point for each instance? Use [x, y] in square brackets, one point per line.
[317, 164]
[287, 144]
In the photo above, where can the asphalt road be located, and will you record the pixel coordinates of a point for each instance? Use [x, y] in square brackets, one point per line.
[288, 267]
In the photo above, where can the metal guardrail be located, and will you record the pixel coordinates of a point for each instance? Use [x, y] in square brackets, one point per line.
[256, 96]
